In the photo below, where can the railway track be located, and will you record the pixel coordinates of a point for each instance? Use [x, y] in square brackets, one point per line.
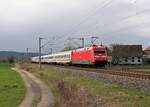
[133, 74]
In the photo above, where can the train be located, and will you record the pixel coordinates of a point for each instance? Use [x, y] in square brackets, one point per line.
[95, 55]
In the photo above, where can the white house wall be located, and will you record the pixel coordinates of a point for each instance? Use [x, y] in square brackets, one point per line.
[129, 61]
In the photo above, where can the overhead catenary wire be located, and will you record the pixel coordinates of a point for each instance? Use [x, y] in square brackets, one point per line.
[104, 5]
[74, 42]
[125, 18]
[118, 30]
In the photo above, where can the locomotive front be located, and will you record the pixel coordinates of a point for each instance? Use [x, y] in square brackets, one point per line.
[100, 55]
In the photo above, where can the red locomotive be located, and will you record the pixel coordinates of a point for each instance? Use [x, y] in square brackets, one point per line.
[94, 55]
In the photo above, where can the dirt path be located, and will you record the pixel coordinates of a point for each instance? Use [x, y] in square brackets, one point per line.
[37, 94]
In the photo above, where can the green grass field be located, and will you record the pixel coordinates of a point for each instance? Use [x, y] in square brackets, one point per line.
[12, 90]
[111, 94]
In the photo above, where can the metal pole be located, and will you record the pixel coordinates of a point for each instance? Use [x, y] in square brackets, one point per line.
[51, 50]
[27, 50]
[83, 42]
[27, 54]
[82, 39]
[40, 52]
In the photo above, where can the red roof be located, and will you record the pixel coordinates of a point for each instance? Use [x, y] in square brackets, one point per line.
[147, 49]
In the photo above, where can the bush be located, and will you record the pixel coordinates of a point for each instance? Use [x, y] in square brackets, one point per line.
[11, 59]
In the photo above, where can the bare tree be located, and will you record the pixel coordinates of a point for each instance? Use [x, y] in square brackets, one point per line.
[11, 59]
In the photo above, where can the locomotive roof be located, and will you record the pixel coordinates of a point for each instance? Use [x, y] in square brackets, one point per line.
[87, 48]
[147, 51]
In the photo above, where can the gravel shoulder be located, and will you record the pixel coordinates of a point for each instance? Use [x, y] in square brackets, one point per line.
[124, 81]
[38, 93]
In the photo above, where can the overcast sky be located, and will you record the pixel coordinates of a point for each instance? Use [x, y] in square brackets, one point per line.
[113, 21]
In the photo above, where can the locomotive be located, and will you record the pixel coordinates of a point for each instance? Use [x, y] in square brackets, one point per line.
[92, 55]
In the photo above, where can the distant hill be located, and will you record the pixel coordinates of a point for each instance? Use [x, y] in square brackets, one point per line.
[16, 55]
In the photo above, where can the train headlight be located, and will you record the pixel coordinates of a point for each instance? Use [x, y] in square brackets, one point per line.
[100, 56]
[97, 56]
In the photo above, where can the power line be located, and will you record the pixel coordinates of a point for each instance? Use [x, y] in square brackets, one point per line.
[93, 39]
[105, 4]
[82, 39]
[74, 42]
[48, 50]
[134, 26]
[48, 43]
[126, 18]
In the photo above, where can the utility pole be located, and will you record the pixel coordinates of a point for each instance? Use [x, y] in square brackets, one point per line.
[40, 47]
[51, 50]
[27, 53]
[82, 39]
[27, 50]
[40, 66]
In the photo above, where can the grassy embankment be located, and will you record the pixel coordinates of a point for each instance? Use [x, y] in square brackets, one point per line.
[141, 68]
[145, 68]
[12, 90]
[76, 91]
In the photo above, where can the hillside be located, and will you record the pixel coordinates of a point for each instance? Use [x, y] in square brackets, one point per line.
[16, 55]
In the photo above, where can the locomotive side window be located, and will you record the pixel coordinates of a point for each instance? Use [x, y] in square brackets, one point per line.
[99, 52]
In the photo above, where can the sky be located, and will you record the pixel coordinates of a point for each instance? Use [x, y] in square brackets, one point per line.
[22, 22]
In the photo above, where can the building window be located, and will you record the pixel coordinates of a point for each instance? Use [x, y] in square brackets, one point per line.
[126, 59]
[139, 59]
[132, 59]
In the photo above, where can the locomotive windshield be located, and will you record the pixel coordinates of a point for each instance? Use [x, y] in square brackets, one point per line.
[99, 52]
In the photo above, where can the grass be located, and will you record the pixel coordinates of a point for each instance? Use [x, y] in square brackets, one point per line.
[144, 68]
[113, 93]
[12, 90]
[109, 94]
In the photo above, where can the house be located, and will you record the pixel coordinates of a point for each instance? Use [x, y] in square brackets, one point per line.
[127, 54]
[146, 55]
[109, 53]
